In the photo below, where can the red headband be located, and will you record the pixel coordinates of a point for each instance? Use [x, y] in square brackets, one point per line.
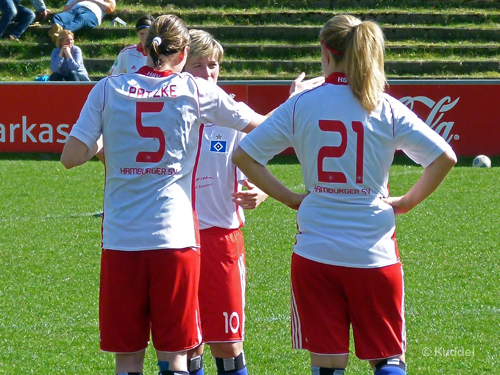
[332, 50]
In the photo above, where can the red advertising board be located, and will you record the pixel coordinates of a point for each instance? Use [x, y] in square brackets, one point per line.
[38, 116]
[465, 115]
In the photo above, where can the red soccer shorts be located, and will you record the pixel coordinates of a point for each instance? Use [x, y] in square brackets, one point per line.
[222, 284]
[149, 292]
[327, 299]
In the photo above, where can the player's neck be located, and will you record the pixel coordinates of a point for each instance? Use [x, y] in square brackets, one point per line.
[174, 63]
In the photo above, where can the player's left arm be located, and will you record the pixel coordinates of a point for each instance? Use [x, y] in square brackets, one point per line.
[76, 153]
[429, 181]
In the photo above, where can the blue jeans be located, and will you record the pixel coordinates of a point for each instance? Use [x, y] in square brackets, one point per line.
[13, 11]
[77, 19]
[72, 76]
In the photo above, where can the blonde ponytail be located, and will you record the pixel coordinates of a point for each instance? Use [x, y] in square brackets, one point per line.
[361, 46]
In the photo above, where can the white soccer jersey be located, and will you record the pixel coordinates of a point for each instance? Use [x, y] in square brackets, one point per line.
[129, 60]
[346, 155]
[216, 178]
[151, 125]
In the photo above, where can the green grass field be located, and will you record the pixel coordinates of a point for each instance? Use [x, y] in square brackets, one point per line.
[50, 253]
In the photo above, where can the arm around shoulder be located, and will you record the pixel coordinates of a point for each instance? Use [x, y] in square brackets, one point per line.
[254, 122]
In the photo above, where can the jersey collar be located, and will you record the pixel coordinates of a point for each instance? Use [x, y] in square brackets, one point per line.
[337, 78]
[150, 72]
[141, 50]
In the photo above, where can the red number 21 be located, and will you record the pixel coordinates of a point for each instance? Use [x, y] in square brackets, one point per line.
[149, 132]
[338, 151]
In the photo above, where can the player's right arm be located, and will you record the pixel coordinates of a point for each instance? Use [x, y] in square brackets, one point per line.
[85, 138]
[76, 153]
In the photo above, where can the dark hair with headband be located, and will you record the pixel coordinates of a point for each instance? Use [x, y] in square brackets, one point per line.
[143, 22]
[167, 35]
[360, 46]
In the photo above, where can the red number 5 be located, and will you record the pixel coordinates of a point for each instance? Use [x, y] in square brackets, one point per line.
[338, 151]
[149, 132]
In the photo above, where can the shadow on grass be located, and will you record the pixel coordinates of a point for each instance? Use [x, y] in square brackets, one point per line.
[287, 159]
[35, 156]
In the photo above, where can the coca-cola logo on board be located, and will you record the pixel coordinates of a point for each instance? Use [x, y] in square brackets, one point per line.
[435, 117]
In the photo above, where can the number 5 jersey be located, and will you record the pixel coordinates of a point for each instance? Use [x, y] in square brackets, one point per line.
[151, 125]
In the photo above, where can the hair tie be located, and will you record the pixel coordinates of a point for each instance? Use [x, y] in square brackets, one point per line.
[157, 39]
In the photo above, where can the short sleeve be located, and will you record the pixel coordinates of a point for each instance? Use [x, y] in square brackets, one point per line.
[218, 107]
[88, 127]
[414, 137]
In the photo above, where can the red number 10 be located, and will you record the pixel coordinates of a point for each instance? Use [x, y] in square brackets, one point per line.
[338, 151]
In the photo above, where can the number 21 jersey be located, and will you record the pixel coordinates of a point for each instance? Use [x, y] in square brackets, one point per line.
[345, 153]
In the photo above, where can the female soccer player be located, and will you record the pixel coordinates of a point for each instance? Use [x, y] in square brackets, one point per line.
[132, 58]
[219, 202]
[151, 124]
[345, 266]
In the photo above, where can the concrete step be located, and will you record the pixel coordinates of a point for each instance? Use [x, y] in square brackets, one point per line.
[293, 34]
[31, 50]
[331, 4]
[319, 17]
[284, 68]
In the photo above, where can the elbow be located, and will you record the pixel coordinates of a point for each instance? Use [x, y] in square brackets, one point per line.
[446, 161]
[451, 158]
[455, 160]
[67, 162]
[68, 158]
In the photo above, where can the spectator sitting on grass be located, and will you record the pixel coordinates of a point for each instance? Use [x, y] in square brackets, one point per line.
[66, 60]
[20, 16]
